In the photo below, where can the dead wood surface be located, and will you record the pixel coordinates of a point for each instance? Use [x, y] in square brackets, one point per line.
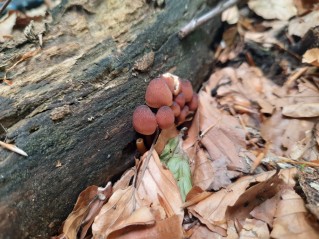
[72, 101]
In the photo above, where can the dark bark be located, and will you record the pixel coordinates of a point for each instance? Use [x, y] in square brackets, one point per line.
[74, 99]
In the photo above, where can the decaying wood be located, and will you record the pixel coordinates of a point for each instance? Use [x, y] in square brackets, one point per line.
[69, 106]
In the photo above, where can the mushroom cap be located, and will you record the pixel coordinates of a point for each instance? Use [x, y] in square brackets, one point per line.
[158, 94]
[182, 117]
[187, 89]
[165, 117]
[144, 120]
[194, 103]
[180, 99]
[176, 109]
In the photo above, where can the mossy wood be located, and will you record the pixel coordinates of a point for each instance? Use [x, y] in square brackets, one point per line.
[72, 102]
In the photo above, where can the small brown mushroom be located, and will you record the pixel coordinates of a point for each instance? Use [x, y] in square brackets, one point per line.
[158, 94]
[165, 117]
[180, 99]
[144, 120]
[194, 103]
[187, 89]
[176, 109]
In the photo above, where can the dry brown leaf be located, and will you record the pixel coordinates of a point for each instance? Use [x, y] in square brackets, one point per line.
[86, 208]
[202, 232]
[306, 148]
[213, 210]
[300, 25]
[311, 56]
[125, 179]
[6, 26]
[273, 9]
[157, 182]
[291, 218]
[301, 110]
[231, 15]
[221, 135]
[266, 210]
[124, 209]
[304, 6]
[253, 228]
[169, 228]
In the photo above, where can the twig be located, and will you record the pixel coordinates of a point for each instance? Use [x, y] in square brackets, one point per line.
[193, 24]
[147, 160]
[4, 6]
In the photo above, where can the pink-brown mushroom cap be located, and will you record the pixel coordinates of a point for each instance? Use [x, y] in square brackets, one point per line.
[158, 94]
[165, 117]
[182, 117]
[144, 120]
[180, 99]
[176, 109]
[187, 89]
[194, 103]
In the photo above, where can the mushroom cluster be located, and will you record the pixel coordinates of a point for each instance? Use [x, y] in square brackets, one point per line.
[171, 98]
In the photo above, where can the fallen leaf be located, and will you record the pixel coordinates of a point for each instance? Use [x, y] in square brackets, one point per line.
[311, 56]
[6, 26]
[300, 25]
[231, 15]
[123, 209]
[158, 181]
[301, 110]
[221, 134]
[253, 228]
[273, 9]
[169, 228]
[213, 211]
[176, 160]
[125, 179]
[202, 232]
[86, 208]
[291, 219]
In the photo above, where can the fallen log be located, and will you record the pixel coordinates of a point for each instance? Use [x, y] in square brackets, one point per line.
[70, 103]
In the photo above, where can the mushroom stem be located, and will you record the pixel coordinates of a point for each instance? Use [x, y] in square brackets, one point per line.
[141, 148]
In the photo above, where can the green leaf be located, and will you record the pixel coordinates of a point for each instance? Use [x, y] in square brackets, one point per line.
[176, 160]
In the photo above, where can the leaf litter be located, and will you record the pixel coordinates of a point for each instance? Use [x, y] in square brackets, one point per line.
[247, 166]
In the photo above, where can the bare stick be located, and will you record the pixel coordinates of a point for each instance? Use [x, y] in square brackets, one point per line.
[192, 25]
[4, 6]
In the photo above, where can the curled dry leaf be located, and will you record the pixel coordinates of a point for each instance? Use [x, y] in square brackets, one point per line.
[311, 57]
[6, 26]
[291, 219]
[221, 134]
[300, 25]
[231, 15]
[86, 208]
[273, 9]
[157, 182]
[301, 110]
[253, 228]
[229, 204]
[124, 209]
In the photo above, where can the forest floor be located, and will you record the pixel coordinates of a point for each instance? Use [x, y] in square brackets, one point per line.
[251, 148]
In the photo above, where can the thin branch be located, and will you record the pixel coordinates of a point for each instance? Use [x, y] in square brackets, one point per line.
[195, 23]
[4, 6]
